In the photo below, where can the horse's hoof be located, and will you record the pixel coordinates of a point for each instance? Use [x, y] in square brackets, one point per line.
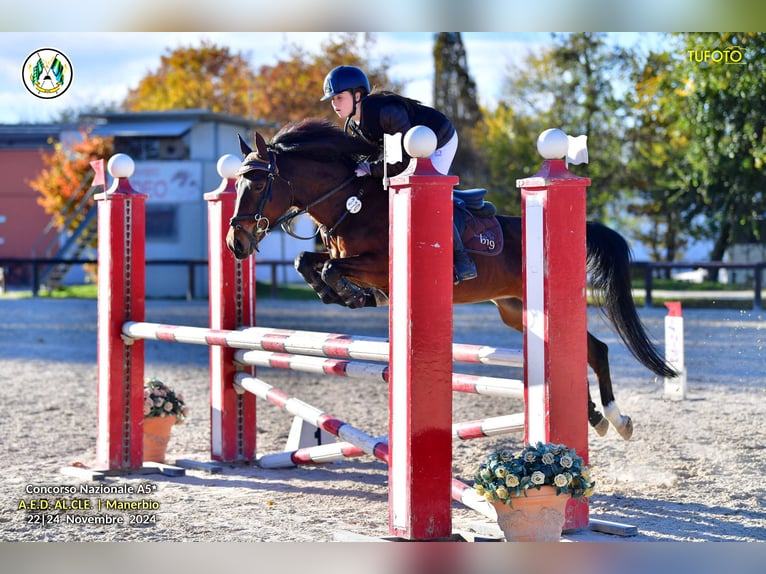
[601, 427]
[626, 429]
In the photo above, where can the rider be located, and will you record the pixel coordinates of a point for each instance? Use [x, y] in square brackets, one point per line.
[369, 115]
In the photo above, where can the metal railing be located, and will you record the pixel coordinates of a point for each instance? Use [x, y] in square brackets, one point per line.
[38, 265]
[649, 269]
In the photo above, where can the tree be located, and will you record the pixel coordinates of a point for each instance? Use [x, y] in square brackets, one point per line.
[207, 77]
[658, 161]
[67, 173]
[454, 94]
[507, 141]
[290, 89]
[212, 77]
[725, 79]
[574, 86]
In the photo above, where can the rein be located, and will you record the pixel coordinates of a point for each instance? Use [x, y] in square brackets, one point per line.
[262, 225]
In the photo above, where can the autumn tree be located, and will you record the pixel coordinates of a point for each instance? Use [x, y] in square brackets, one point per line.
[207, 77]
[65, 179]
[212, 77]
[290, 89]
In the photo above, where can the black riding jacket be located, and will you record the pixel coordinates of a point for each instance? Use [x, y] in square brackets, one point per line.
[389, 114]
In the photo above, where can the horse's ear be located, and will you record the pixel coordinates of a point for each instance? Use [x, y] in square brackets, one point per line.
[260, 144]
[244, 147]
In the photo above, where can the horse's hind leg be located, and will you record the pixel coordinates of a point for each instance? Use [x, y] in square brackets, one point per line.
[512, 313]
[598, 359]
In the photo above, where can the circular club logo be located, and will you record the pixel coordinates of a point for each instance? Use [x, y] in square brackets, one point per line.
[47, 73]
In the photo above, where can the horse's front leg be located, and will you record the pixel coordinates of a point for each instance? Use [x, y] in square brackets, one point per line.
[335, 273]
[309, 265]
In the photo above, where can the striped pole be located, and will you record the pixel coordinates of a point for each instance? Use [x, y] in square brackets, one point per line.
[373, 372]
[121, 296]
[232, 305]
[320, 454]
[420, 327]
[555, 313]
[310, 343]
[313, 415]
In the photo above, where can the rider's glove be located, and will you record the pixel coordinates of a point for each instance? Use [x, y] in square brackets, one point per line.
[363, 169]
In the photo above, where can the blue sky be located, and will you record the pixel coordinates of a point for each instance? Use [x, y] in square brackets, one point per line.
[106, 65]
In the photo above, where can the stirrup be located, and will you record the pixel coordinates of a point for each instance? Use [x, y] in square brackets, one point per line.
[464, 273]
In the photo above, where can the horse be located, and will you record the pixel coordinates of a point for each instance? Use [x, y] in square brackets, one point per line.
[308, 167]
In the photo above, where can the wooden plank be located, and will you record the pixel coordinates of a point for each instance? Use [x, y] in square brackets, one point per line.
[209, 467]
[615, 528]
[83, 473]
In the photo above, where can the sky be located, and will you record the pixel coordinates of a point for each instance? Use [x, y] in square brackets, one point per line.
[107, 64]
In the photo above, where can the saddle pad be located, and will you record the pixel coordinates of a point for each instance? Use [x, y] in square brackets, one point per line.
[482, 235]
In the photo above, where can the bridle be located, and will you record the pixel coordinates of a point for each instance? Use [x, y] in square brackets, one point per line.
[262, 224]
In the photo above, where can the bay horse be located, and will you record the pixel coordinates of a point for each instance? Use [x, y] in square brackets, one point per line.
[308, 167]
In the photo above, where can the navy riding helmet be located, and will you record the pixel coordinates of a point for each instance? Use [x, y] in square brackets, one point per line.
[344, 78]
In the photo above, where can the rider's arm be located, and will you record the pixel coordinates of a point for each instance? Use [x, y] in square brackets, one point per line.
[393, 119]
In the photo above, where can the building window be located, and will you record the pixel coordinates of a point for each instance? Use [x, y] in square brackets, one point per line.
[152, 148]
[161, 222]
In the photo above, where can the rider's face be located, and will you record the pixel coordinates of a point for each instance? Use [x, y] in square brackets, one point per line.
[343, 104]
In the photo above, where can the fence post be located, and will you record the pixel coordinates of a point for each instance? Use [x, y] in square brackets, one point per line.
[121, 297]
[555, 307]
[232, 305]
[420, 327]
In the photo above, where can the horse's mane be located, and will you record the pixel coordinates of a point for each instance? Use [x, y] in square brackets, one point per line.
[319, 139]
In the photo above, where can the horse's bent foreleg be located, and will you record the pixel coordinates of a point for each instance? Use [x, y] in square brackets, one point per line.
[598, 359]
[309, 265]
[351, 295]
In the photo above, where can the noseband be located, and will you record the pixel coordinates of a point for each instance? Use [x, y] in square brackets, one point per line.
[262, 224]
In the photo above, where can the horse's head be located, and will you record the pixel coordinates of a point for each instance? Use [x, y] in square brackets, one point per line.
[258, 201]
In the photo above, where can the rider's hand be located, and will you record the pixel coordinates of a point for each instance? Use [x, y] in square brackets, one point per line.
[363, 169]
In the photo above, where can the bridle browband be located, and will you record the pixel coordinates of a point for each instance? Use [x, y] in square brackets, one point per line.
[262, 224]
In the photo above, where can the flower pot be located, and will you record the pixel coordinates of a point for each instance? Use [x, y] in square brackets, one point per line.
[156, 437]
[537, 517]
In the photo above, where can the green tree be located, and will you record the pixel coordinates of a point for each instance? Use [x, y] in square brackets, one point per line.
[726, 127]
[507, 141]
[658, 161]
[454, 94]
[578, 85]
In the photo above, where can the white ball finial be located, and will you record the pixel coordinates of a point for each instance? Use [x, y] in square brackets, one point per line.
[420, 141]
[228, 165]
[121, 166]
[552, 144]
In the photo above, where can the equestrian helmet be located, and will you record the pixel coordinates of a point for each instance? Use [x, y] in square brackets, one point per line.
[344, 78]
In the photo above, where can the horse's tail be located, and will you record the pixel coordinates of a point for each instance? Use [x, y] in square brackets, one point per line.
[608, 265]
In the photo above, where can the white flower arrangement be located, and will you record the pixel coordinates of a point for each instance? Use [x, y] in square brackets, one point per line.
[162, 401]
[506, 475]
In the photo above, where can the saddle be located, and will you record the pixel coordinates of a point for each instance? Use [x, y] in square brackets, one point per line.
[476, 223]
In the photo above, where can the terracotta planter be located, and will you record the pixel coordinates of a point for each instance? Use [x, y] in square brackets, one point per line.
[156, 437]
[538, 517]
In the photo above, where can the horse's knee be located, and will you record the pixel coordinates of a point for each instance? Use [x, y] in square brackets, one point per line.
[303, 262]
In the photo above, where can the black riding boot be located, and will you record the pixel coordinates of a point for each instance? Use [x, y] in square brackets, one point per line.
[464, 267]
